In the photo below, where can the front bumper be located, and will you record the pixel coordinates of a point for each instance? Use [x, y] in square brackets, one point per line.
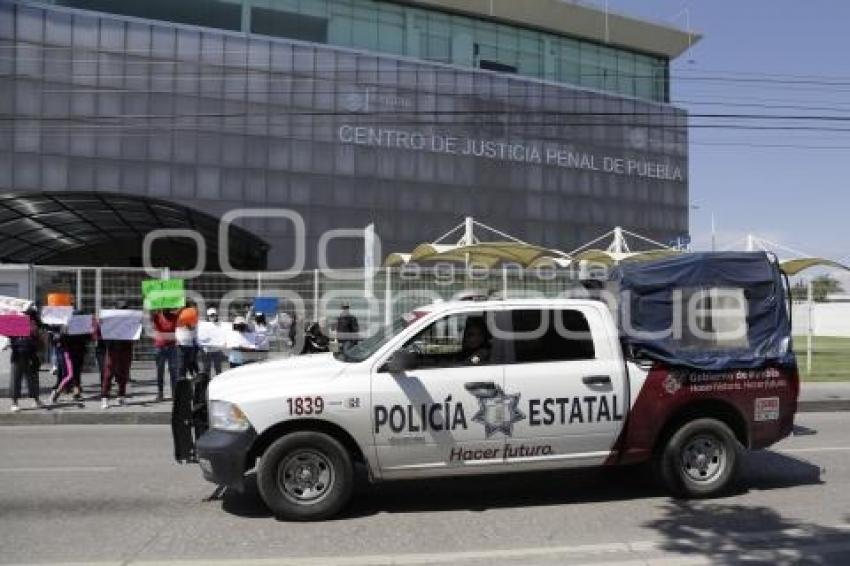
[222, 454]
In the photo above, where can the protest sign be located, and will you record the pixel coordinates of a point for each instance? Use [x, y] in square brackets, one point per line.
[56, 316]
[163, 294]
[120, 324]
[241, 340]
[13, 305]
[80, 324]
[266, 305]
[14, 325]
[210, 334]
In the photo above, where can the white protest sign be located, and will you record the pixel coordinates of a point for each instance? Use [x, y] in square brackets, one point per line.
[211, 334]
[80, 324]
[120, 324]
[241, 340]
[56, 316]
[13, 304]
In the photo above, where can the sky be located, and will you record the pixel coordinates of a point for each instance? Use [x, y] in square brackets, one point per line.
[797, 195]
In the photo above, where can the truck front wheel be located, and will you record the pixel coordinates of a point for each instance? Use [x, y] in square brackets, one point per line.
[700, 459]
[305, 476]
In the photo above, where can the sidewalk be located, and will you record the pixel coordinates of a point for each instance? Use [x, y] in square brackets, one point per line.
[141, 406]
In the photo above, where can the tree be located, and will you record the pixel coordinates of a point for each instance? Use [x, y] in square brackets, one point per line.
[822, 287]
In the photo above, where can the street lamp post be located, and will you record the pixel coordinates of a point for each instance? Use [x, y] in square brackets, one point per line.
[695, 206]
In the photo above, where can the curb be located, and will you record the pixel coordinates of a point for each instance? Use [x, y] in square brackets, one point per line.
[164, 418]
[85, 418]
[823, 406]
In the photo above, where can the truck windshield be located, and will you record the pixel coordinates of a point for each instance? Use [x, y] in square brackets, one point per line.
[365, 348]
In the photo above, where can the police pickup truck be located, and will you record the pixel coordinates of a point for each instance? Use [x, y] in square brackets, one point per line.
[500, 386]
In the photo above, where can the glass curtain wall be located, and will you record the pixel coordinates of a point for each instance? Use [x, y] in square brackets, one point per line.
[414, 32]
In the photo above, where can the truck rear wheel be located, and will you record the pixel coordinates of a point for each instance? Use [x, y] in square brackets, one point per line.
[700, 459]
[305, 476]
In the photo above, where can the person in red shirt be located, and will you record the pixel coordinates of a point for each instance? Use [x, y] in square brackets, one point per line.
[164, 326]
[118, 360]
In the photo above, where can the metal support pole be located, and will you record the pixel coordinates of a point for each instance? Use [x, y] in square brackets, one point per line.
[98, 289]
[79, 298]
[316, 295]
[388, 296]
[810, 300]
[259, 283]
[504, 281]
[31, 282]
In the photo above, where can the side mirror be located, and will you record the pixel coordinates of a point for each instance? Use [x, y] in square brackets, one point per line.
[402, 360]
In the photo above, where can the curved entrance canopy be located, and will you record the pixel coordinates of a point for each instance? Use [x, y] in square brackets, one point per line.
[49, 227]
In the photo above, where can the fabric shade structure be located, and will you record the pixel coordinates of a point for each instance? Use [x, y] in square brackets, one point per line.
[607, 257]
[469, 250]
[795, 266]
[485, 254]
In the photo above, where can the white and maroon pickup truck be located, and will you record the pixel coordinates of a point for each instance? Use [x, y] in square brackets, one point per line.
[499, 386]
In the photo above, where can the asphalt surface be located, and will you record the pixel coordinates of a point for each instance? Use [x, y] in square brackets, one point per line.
[111, 494]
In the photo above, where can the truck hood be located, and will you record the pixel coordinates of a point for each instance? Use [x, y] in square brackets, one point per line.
[269, 376]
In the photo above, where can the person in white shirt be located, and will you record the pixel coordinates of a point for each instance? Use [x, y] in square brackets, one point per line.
[241, 343]
[213, 356]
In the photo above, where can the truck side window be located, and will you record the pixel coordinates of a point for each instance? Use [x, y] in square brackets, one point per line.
[457, 340]
[551, 336]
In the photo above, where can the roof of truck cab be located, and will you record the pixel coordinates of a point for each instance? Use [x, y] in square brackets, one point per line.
[470, 305]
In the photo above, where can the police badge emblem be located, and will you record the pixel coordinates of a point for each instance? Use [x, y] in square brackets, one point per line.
[497, 411]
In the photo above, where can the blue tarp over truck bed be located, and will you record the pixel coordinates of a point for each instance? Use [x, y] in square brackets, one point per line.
[653, 298]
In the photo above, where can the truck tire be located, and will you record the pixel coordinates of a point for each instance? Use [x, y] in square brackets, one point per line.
[305, 476]
[700, 459]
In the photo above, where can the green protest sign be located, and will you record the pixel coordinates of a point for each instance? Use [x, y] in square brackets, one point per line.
[163, 294]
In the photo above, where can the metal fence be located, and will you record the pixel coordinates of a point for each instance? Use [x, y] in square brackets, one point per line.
[822, 331]
[310, 296]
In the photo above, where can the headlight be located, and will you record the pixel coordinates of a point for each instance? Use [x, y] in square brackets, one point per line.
[227, 416]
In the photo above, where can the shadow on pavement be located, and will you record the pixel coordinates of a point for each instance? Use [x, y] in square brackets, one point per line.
[760, 470]
[735, 534]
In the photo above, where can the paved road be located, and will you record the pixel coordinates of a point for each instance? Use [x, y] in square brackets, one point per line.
[111, 494]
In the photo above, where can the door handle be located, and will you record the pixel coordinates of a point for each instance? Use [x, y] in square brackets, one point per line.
[483, 388]
[596, 379]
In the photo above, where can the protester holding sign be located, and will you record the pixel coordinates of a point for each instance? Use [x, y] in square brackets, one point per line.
[120, 330]
[164, 326]
[241, 343]
[24, 361]
[211, 339]
[263, 331]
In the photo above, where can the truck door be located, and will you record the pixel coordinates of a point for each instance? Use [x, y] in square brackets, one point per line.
[567, 368]
[427, 419]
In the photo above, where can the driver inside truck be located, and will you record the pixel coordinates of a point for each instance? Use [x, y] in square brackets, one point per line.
[475, 346]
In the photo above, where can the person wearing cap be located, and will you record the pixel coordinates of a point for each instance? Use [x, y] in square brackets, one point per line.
[213, 356]
[347, 328]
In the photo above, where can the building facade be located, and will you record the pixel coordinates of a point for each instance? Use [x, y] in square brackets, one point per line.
[408, 115]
